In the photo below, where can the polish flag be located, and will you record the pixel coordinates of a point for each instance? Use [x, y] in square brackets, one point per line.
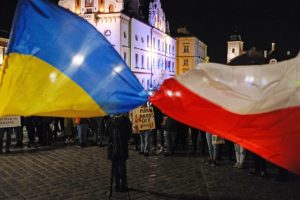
[256, 106]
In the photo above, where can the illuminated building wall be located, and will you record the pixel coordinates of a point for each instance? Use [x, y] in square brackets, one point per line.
[235, 46]
[146, 47]
[3, 45]
[190, 52]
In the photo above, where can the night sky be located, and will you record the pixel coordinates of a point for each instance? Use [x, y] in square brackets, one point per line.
[258, 21]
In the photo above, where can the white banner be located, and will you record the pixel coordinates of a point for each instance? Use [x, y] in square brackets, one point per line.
[13, 121]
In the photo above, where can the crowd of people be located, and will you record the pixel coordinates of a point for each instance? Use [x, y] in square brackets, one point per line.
[45, 131]
[168, 137]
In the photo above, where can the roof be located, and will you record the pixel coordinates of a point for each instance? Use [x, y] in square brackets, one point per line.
[235, 36]
[251, 57]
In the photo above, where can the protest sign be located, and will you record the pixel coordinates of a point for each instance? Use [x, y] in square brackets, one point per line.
[11, 121]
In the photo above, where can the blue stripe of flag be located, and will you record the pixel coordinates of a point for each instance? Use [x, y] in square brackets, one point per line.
[76, 48]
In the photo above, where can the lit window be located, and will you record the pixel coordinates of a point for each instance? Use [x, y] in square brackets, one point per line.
[185, 49]
[148, 66]
[89, 10]
[111, 8]
[185, 62]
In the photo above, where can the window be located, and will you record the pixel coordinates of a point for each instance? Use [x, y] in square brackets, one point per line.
[89, 3]
[158, 63]
[173, 50]
[166, 48]
[166, 65]
[233, 50]
[185, 49]
[142, 61]
[173, 67]
[148, 40]
[89, 10]
[125, 34]
[185, 62]
[136, 60]
[169, 49]
[77, 3]
[142, 39]
[124, 56]
[162, 46]
[148, 83]
[158, 44]
[143, 82]
[136, 38]
[154, 43]
[1, 55]
[111, 8]
[148, 66]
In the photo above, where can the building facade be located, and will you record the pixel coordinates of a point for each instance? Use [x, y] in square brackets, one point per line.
[190, 51]
[235, 46]
[236, 52]
[139, 32]
[3, 46]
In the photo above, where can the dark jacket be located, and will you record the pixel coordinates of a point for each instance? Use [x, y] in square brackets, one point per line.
[158, 118]
[171, 125]
[119, 131]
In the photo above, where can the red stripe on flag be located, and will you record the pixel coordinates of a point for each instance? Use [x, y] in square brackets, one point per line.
[273, 135]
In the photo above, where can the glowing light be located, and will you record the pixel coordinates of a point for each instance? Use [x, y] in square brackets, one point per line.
[77, 60]
[118, 69]
[263, 81]
[249, 79]
[178, 94]
[53, 77]
[169, 93]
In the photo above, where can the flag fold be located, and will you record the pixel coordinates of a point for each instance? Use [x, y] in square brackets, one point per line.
[256, 106]
[57, 64]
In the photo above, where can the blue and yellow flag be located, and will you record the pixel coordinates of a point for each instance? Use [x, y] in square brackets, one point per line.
[57, 64]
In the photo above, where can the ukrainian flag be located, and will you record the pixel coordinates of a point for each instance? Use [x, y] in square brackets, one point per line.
[57, 64]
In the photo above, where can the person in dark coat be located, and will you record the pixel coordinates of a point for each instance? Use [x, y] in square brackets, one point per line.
[30, 127]
[170, 133]
[158, 131]
[119, 132]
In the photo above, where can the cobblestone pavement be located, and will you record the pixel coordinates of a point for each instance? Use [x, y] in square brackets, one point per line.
[72, 172]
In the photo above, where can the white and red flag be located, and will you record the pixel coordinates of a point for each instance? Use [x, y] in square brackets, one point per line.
[256, 106]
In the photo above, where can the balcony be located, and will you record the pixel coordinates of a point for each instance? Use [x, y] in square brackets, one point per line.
[90, 17]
